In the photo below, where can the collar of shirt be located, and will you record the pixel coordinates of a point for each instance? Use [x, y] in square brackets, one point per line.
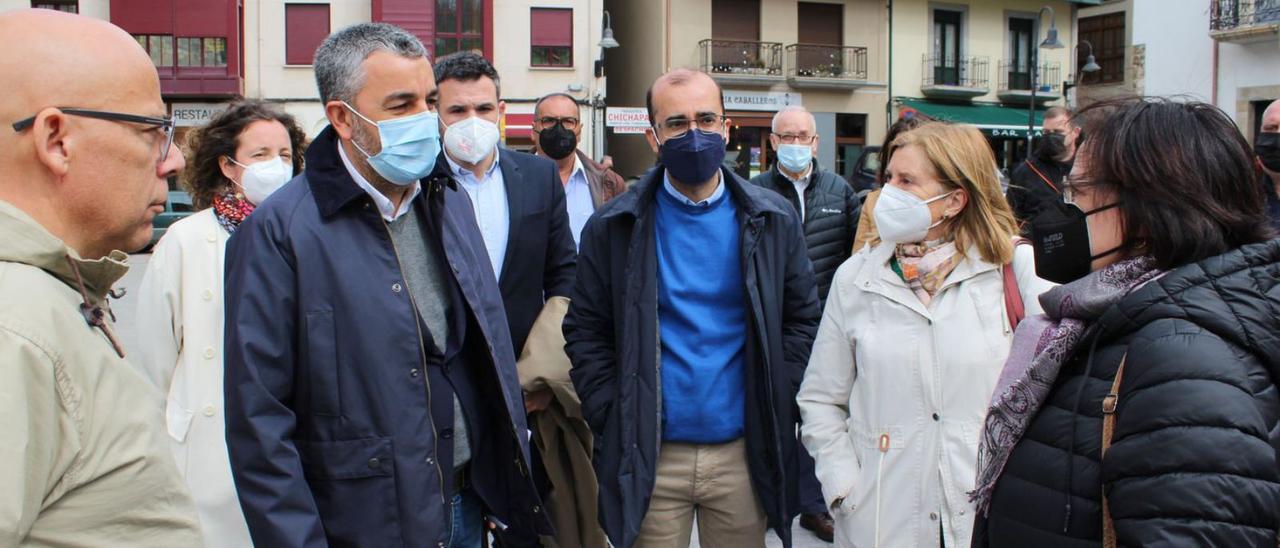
[803, 179]
[579, 173]
[465, 175]
[385, 207]
[719, 191]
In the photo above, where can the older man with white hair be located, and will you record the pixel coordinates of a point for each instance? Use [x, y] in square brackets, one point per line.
[829, 209]
[828, 206]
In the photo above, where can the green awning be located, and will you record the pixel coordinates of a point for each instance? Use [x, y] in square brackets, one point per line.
[994, 120]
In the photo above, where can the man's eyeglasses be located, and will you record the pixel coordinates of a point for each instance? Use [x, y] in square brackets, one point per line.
[569, 122]
[795, 138]
[165, 124]
[676, 127]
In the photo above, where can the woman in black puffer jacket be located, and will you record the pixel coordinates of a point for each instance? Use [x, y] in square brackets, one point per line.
[1164, 257]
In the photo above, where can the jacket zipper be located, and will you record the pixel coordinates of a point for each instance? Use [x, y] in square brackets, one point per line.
[422, 354]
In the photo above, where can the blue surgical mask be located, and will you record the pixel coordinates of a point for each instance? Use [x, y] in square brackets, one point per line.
[795, 158]
[410, 145]
[693, 158]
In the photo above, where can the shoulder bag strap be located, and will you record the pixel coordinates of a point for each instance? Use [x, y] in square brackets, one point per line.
[1013, 305]
[1042, 176]
[1108, 430]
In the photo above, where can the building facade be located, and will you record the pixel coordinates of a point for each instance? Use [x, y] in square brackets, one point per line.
[1246, 78]
[211, 52]
[765, 54]
[1225, 52]
[856, 64]
[980, 62]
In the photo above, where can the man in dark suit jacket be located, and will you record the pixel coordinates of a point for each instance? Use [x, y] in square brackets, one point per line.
[518, 199]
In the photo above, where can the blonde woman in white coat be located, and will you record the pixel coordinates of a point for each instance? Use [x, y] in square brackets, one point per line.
[240, 158]
[912, 340]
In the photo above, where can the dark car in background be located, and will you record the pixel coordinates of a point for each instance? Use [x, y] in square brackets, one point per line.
[176, 207]
[863, 178]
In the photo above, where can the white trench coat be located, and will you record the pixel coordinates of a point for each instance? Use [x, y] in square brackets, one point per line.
[895, 394]
[180, 313]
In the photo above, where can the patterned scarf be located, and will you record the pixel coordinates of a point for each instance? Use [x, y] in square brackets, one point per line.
[1040, 347]
[924, 266]
[231, 209]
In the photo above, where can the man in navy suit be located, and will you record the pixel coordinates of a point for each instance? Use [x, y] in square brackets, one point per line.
[518, 199]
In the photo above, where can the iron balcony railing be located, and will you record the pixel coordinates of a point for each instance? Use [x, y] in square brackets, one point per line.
[966, 72]
[1016, 76]
[837, 62]
[1233, 14]
[741, 57]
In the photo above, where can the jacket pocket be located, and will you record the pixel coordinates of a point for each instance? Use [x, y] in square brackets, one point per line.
[322, 363]
[354, 485]
[177, 421]
[877, 450]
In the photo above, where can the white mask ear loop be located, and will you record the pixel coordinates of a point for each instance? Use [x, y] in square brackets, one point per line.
[944, 215]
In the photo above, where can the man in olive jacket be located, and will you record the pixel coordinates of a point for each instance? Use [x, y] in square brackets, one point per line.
[84, 456]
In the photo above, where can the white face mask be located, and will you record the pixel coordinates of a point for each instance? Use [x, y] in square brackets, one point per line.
[903, 218]
[470, 140]
[261, 179]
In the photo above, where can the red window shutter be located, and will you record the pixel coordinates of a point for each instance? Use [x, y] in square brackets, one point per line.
[416, 16]
[551, 27]
[306, 25]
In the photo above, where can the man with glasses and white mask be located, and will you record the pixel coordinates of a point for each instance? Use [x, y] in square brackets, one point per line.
[829, 210]
[86, 149]
[517, 198]
[370, 383]
[691, 323]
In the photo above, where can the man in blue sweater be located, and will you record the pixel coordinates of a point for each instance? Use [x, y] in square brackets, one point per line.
[692, 318]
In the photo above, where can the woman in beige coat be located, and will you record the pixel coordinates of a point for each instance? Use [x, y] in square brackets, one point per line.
[911, 343]
[237, 160]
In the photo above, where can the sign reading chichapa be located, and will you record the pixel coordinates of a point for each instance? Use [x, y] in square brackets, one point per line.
[759, 100]
[626, 117]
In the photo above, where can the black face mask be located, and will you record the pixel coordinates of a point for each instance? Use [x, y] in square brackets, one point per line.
[1060, 237]
[1267, 146]
[557, 142]
[1051, 147]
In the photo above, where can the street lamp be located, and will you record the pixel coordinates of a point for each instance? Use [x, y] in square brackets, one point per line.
[1050, 42]
[1090, 65]
[607, 41]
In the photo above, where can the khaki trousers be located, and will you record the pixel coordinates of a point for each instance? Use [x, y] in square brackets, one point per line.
[710, 482]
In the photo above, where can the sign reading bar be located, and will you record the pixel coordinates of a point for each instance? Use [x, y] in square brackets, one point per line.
[628, 117]
[1006, 132]
[196, 114]
[759, 100]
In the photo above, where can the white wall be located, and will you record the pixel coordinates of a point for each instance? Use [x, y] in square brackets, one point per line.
[1245, 66]
[1179, 51]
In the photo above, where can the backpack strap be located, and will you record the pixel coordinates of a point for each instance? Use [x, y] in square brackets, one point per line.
[1108, 430]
